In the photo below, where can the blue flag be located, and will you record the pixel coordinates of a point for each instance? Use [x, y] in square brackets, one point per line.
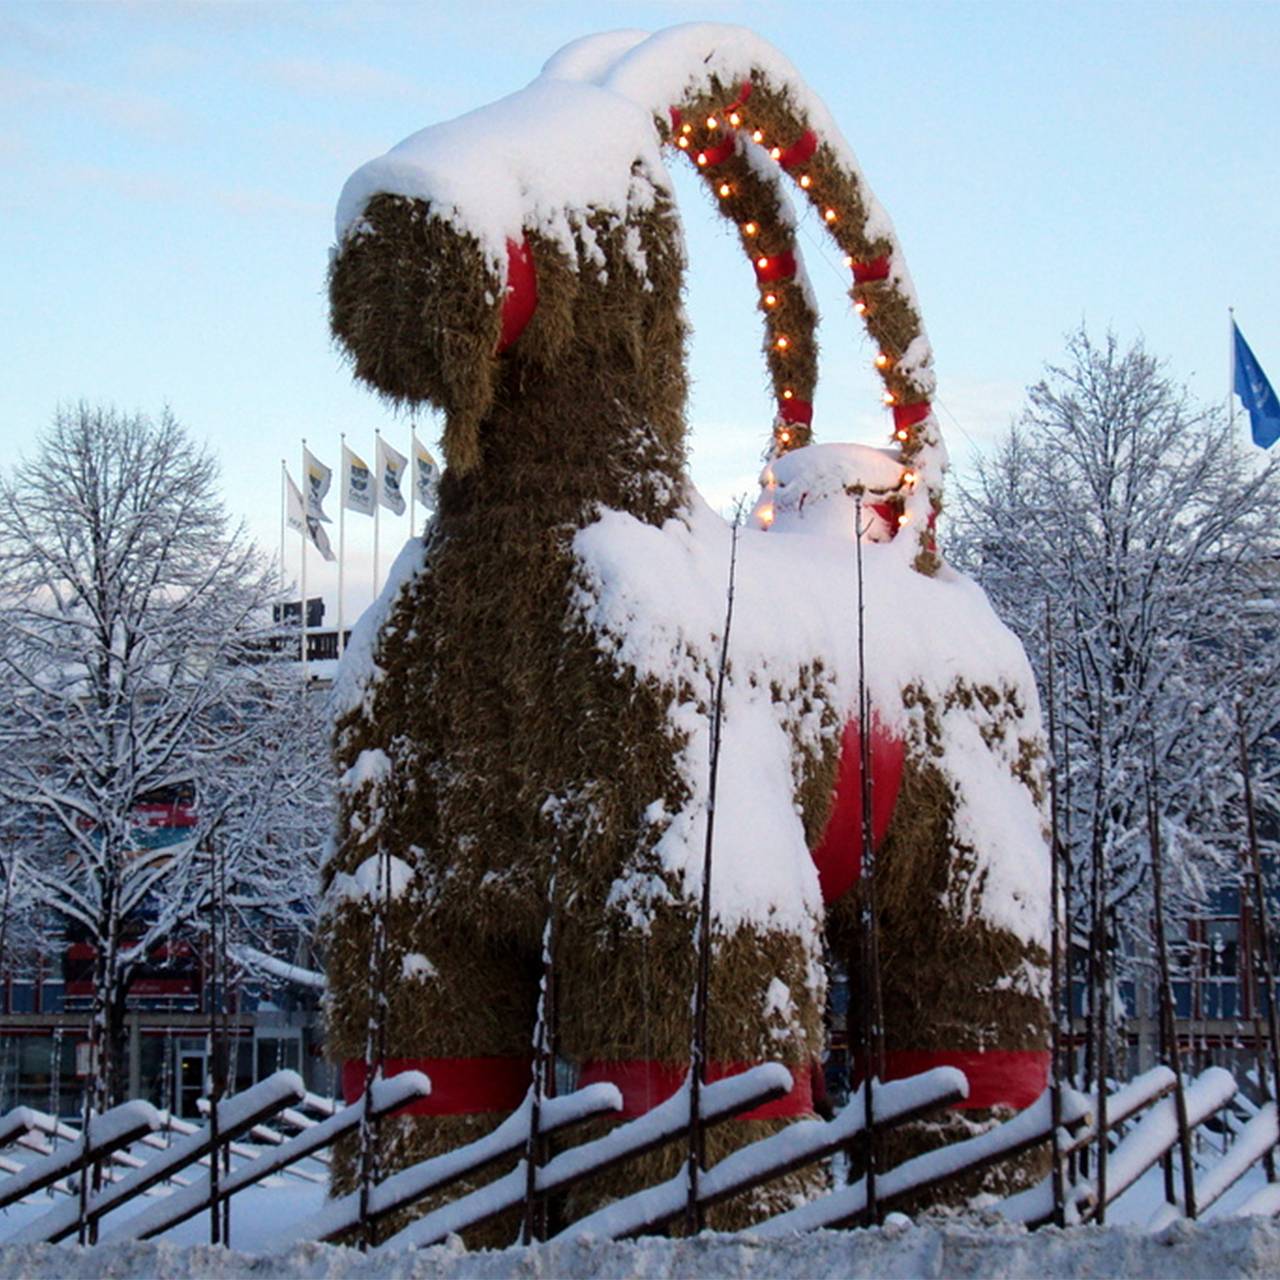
[1256, 394]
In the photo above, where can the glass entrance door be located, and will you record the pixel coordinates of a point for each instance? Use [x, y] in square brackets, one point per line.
[190, 1074]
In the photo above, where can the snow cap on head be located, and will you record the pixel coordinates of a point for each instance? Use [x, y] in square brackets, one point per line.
[519, 164]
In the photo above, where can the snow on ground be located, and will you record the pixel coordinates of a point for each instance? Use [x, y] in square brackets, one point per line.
[953, 1247]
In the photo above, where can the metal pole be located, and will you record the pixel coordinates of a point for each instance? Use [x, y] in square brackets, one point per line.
[342, 536]
[1271, 1091]
[377, 503]
[695, 1217]
[1168, 1024]
[872, 1011]
[1055, 950]
[306, 531]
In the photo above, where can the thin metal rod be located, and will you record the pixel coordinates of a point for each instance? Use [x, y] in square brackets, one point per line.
[1055, 948]
[1270, 1091]
[1168, 1025]
[695, 1215]
[872, 1003]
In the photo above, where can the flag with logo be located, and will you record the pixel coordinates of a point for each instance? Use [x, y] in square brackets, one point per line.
[357, 483]
[298, 518]
[426, 475]
[391, 466]
[317, 479]
[1256, 393]
[295, 509]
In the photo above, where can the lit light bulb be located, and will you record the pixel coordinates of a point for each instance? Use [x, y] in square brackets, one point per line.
[687, 128]
[682, 143]
[702, 157]
[766, 515]
[830, 215]
[735, 119]
[757, 136]
[770, 299]
[762, 263]
[902, 434]
[749, 228]
[776, 153]
[882, 361]
[783, 342]
[784, 436]
[805, 181]
[904, 518]
[712, 122]
[848, 260]
[888, 397]
[787, 393]
[725, 190]
[860, 307]
[908, 478]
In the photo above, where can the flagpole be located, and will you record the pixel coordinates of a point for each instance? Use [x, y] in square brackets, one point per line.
[342, 534]
[284, 498]
[1231, 368]
[413, 477]
[306, 515]
[377, 501]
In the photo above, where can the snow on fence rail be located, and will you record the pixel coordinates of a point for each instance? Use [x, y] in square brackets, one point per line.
[1143, 1104]
[666, 1122]
[387, 1096]
[107, 1133]
[933, 1168]
[420, 1180]
[235, 1116]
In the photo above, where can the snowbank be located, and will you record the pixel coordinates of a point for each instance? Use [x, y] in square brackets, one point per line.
[960, 1250]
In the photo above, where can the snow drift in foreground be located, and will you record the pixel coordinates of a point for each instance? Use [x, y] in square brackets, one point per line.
[1248, 1247]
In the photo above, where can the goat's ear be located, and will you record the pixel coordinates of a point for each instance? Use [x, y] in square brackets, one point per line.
[419, 312]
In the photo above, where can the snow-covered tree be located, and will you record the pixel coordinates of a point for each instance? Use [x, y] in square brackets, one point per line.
[135, 652]
[1150, 532]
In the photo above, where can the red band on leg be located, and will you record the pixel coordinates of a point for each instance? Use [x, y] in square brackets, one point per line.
[645, 1083]
[459, 1086]
[997, 1077]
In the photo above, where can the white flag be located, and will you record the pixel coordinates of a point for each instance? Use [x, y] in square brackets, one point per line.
[319, 539]
[391, 465]
[357, 483]
[301, 520]
[318, 478]
[295, 510]
[426, 475]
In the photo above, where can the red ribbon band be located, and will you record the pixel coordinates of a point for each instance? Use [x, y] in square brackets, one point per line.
[876, 269]
[838, 855]
[800, 150]
[521, 298]
[1009, 1077]
[459, 1086]
[709, 157]
[907, 415]
[796, 412]
[645, 1083]
[779, 266]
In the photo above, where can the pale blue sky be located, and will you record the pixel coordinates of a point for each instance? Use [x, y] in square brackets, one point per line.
[170, 171]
